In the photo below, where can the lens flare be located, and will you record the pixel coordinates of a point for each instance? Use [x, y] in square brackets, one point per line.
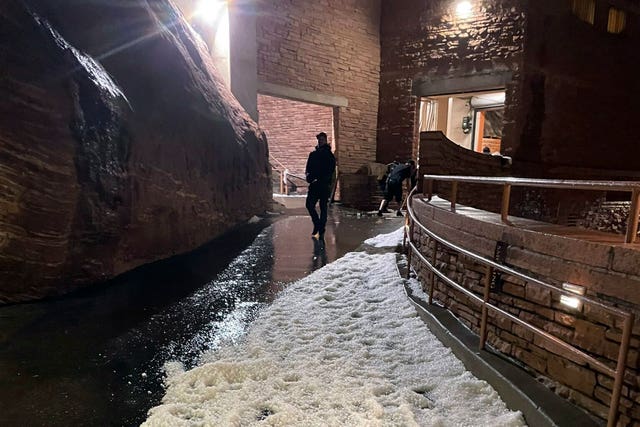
[210, 10]
[464, 9]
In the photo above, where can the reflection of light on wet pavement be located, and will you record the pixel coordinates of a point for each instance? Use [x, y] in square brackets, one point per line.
[280, 254]
[297, 254]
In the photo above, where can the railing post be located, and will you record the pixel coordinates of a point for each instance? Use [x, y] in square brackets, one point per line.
[407, 220]
[281, 183]
[434, 257]
[485, 310]
[454, 195]
[506, 197]
[429, 189]
[410, 249]
[632, 221]
[620, 368]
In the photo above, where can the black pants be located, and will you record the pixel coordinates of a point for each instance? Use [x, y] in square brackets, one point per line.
[393, 190]
[318, 192]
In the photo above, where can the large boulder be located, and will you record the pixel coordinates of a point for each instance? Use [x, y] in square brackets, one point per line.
[119, 144]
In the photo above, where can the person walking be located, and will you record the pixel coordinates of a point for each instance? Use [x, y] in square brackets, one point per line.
[393, 188]
[319, 172]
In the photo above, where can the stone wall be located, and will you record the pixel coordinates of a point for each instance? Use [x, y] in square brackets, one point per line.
[329, 47]
[114, 154]
[426, 40]
[365, 194]
[563, 113]
[441, 156]
[574, 109]
[610, 275]
[607, 216]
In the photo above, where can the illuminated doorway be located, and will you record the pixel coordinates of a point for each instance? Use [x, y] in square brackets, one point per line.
[472, 120]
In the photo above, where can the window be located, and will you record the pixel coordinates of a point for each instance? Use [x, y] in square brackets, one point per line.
[617, 20]
[585, 10]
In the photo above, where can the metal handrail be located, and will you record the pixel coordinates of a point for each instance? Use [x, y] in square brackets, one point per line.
[297, 176]
[283, 189]
[277, 161]
[628, 318]
[507, 182]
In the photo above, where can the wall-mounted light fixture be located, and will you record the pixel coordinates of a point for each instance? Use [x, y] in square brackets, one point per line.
[464, 9]
[467, 124]
[570, 301]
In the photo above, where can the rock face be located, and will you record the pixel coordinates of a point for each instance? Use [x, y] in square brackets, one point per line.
[119, 145]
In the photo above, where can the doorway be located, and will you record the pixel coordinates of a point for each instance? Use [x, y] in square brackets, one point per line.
[488, 124]
[291, 128]
[472, 120]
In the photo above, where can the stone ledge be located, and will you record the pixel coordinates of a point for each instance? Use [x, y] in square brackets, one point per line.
[565, 253]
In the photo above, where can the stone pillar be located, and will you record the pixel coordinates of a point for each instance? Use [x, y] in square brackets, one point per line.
[243, 66]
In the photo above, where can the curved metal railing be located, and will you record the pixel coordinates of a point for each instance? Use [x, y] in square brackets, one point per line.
[507, 182]
[558, 346]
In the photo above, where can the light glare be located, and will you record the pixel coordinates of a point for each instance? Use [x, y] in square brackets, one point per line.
[570, 301]
[209, 10]
[222, 35]
[463, 9]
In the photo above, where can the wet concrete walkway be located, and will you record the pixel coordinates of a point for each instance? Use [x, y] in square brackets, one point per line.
[95, 357]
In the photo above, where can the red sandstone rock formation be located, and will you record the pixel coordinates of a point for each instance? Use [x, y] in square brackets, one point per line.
[119, 145]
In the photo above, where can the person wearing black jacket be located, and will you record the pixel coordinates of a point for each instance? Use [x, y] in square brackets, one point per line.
[319, 172]
[393, 188]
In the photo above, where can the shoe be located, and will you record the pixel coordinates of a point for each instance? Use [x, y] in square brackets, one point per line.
[379, 213]
[399, 213]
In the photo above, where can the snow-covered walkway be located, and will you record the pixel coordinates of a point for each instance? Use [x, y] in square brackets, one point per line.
[341, 347]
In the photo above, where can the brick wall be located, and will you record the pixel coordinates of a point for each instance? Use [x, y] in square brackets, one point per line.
[330, 47]
[575, 106]
[423, 39]
[562, 111]
[610, 274]
[291, 128]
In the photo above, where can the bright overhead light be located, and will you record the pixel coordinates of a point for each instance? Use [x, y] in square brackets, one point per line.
[210, 10]
[464, 9]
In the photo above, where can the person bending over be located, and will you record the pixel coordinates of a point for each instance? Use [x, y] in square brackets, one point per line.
[394, 185]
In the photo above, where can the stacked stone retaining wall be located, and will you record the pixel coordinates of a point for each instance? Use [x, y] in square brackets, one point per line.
[610, 274]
